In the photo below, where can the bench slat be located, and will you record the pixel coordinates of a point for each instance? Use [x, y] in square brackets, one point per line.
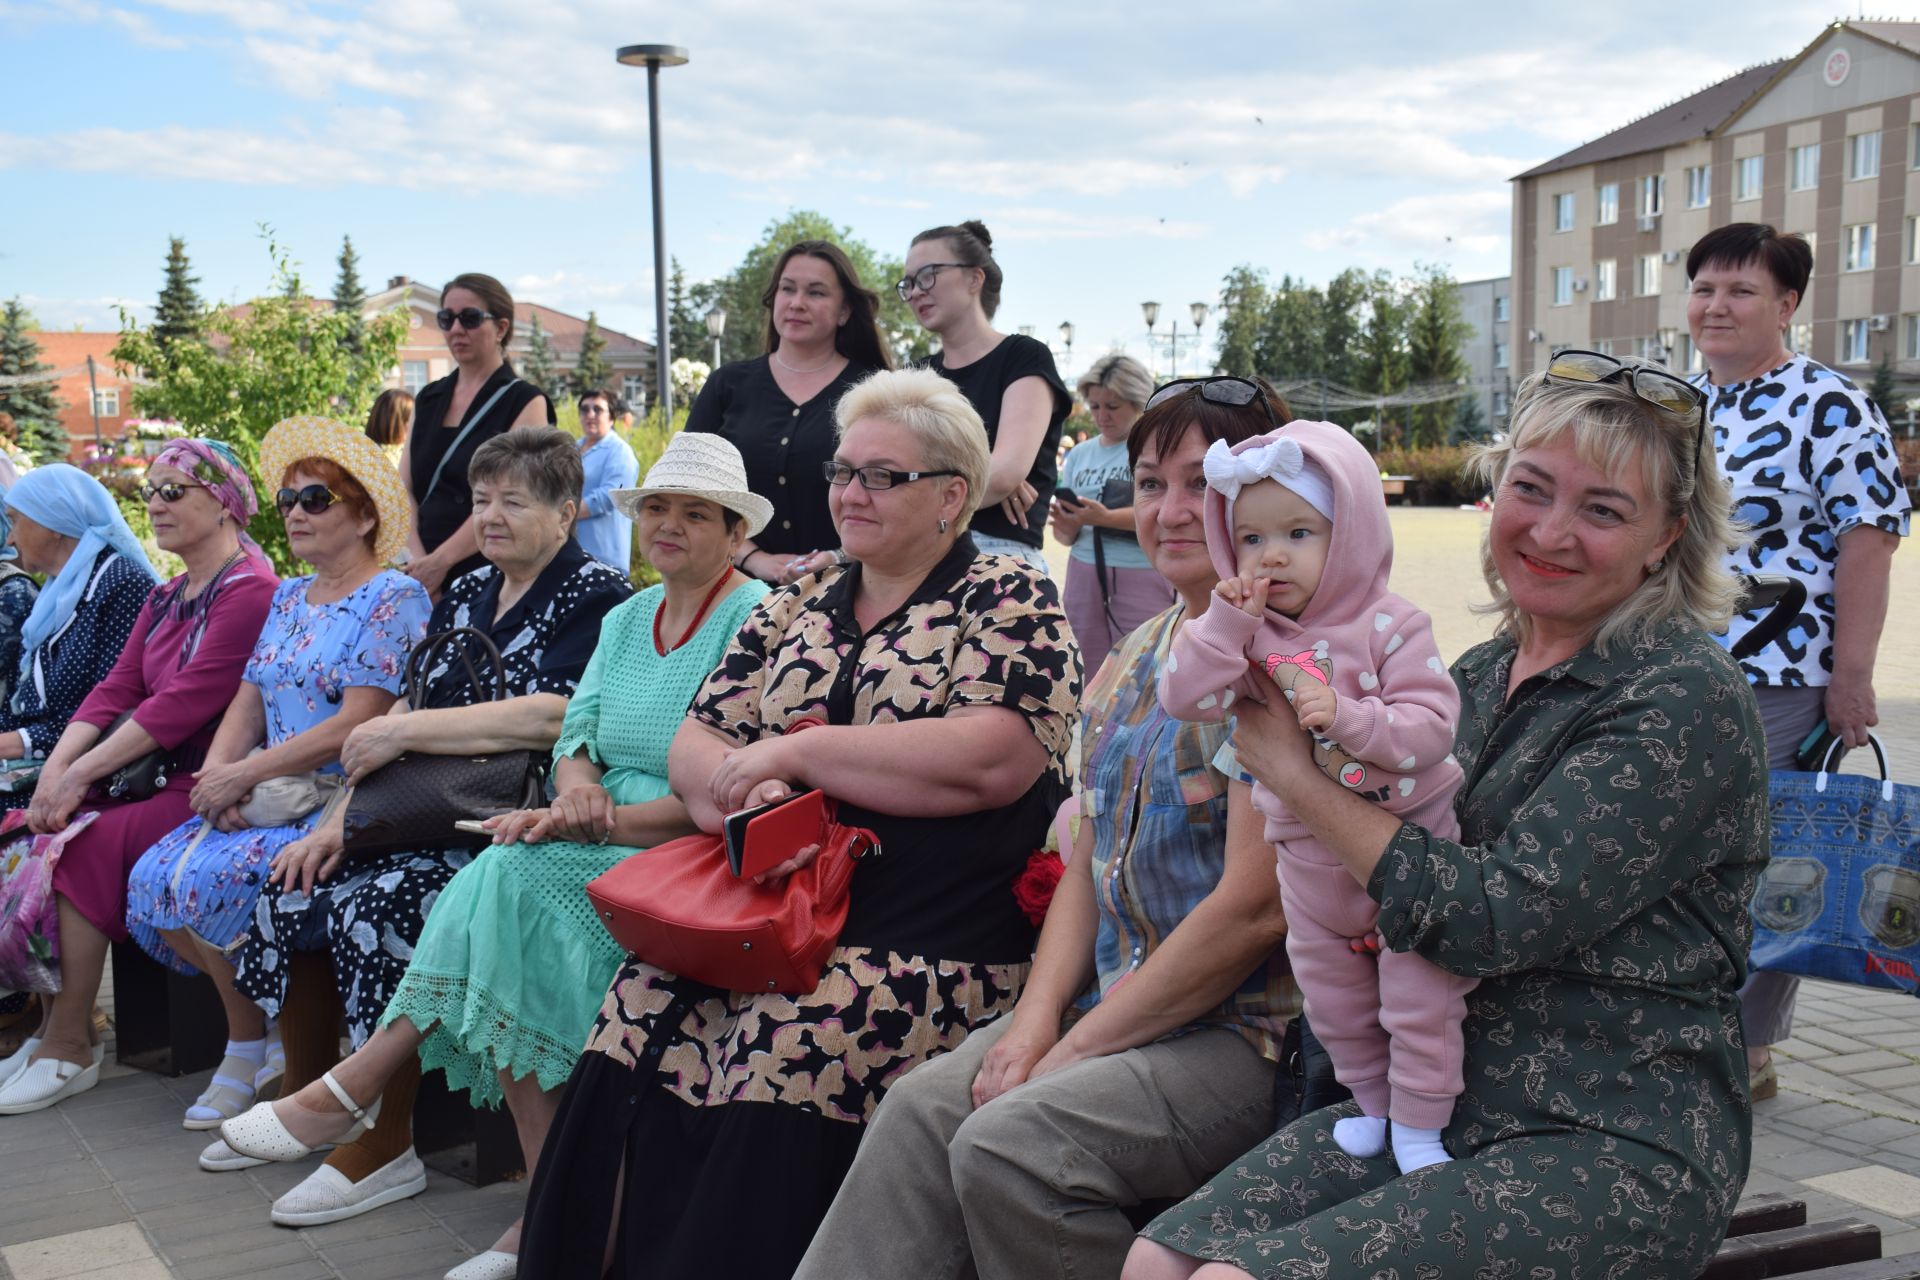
[1768, 1211]
[1794, 1249]
[1904, 1267]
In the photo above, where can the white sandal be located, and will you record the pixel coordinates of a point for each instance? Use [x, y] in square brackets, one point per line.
[260, 1134]
[229, 1093]
[491, 1265]
[266, 1081]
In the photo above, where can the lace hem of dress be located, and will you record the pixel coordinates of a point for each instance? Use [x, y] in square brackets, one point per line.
[572, 742]
[478, 1037]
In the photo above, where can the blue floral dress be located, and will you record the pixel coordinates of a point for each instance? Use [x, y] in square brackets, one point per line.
[308, 656]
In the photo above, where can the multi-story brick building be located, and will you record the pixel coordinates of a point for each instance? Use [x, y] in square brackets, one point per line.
[1487, 308]
[1826, 143]
[82, 391]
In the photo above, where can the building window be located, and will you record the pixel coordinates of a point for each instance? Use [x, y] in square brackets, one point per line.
[1500, 309]
[106, 402]
[1563, 212]
[1562, 286]
[1863, 156]
[1499, 355]
[1813, 251]
[633, 389]
[1690, 358]
[1604, 287]
[1913, 239]
[1499, 401]
[1606, 204]
[1747, 176]
[1800, 337]
[1913, 147]
[1806, 167]
[1604, 346]
[1860, 247]
[1653, 195]
[413, 375]
[1646, 278]
[1910, 330]
[1699, 186]
[1853, 342]
[1651, 349]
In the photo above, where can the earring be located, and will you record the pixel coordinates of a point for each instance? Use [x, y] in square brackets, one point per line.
[1656, 566]
[943, 526]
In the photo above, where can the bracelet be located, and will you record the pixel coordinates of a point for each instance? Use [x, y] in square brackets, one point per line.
[742, 562]
[841, 558]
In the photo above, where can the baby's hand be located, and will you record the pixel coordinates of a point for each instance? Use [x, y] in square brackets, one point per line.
[1314, 703]
[1245, 593]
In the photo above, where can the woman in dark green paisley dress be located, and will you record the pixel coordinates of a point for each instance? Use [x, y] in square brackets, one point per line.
[1613, 822]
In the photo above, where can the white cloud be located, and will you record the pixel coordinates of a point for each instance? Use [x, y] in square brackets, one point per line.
[1434, 227]
[1011, 225]
[578, 292]
[100, 314]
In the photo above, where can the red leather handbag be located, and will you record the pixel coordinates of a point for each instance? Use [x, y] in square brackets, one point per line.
[678, 905]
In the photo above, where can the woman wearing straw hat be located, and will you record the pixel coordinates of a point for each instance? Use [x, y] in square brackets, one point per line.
[510, 968]
[330, 656]
[194, 635]
[332, 938]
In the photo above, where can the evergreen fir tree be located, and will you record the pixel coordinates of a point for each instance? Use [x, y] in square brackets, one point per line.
[178, 316]
[1469, 423]
[1882, 390]
[591, 371]
[687, 325]
[537, 365]
[34, 406]
[349, 296]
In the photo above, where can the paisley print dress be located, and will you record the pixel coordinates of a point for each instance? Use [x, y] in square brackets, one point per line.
[1613, 823]
[727, 1107]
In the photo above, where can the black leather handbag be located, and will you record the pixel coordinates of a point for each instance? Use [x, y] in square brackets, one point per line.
[414, 800]
[140, 779]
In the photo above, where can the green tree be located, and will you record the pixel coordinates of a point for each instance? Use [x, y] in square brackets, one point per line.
[1380, 364]
[349, 297]
[180, 313]
[34, 406]
[282, 355]
[687, 325]
[592, 372]
[1469, 424]
[1290, 333]
[537, 366]
[1342, 319]
[1243, 313]
[1435, 332]
[1882, 390]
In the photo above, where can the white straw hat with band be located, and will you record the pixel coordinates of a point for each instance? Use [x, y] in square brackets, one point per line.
[698, 465]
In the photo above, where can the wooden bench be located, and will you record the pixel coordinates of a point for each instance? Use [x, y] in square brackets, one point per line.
[1770, 1236]
[1395, 486]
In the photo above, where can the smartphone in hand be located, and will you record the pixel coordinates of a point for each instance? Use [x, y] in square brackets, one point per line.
[1067, 497]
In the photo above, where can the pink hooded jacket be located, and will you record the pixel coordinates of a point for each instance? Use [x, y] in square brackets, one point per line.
[1392, 735]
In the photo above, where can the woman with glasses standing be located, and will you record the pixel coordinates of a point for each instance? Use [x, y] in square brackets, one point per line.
[822, 336]
[953, 285]
[1816, 481]
[481, 398]
[330, 656]
[163, 694]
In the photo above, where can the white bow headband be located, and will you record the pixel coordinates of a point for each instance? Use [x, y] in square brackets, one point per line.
[1278, 460]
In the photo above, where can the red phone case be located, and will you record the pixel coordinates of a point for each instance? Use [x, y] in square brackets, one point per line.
[763, 838]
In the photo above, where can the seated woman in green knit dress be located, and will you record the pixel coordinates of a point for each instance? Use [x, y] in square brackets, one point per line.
[511, 966]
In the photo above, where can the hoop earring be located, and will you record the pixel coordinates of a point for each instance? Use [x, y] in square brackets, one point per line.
[943, 526]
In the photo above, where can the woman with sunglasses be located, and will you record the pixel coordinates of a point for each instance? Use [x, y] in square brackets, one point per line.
[1613, 824]
[822, 336]
[162, 696]
[329, 657]
[453, 417]
[1816, 480]
[953, 285]
[946, 682]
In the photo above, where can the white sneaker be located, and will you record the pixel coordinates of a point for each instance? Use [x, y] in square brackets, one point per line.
[327, 1195]
[43, 1083]
[491, 1265]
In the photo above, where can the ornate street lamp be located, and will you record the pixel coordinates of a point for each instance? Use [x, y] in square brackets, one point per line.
[716, 325]
[1151, 311]
[1066, 340]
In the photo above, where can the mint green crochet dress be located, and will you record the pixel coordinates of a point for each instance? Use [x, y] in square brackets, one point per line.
[512, 964]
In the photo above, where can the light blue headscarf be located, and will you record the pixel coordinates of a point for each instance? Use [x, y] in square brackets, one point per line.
[68, 501]
[8, 552]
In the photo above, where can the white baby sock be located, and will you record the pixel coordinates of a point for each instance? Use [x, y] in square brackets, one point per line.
[1417, 1148]
[1362, 1137]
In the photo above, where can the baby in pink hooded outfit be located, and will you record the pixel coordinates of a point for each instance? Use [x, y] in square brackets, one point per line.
[1298, 530]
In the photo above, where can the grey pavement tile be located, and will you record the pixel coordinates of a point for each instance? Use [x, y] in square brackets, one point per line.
[76, 1212]
[1823, 1040]
[417, 1264]
[184, 1232]
[383, 1223]
[347, 1255]
[1877, 1030]
[1886, 1079]
[1875, 1130]
[1847, 1064]
[249, 1235]
[248, 1262]
[62, 1172]
[1807, 1164]
[312, 1270]
[176, 1193]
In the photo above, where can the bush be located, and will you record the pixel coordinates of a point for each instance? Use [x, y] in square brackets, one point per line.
[1907, 449]
[1439, 473]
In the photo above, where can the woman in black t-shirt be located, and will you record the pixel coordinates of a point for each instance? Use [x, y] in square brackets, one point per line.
[821, 337]
[953, 285]
[481, 398]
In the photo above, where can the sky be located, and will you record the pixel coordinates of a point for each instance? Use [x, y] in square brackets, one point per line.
[1118, 151]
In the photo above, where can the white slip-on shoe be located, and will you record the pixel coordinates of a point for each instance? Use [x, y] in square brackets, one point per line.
[327, 1195]
[218, 1157]
[259, 1133]
[491, 1265]
[43, 1083]
[16, 1062]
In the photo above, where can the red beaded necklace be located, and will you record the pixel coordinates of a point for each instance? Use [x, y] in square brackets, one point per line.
[660, 646]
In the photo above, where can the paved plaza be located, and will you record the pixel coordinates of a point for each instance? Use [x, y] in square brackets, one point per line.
[105, 1186]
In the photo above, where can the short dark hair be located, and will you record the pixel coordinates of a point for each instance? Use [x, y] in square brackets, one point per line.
[391, 418]
[617, 404]
[1788, 259]
[1167, 421]
[597, 393]
[544, 459]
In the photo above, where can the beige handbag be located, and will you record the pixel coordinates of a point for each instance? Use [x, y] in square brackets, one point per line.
[281, 802]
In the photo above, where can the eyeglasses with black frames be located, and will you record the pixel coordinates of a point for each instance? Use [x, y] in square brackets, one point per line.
[922, 280]
[839, 473]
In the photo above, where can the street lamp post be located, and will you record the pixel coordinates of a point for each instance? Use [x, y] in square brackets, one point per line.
[1151, 312]
[1066, 340]
[653, 57]
[716, 325]
[1199, 312]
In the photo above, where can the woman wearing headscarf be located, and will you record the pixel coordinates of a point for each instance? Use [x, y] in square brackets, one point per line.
[67, 527]
[18, 591]
[190, 642]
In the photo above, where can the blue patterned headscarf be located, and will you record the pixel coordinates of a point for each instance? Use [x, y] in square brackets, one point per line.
[68, 501]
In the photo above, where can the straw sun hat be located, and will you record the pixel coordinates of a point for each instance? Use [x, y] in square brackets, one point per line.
[700, 466]
[308, 436]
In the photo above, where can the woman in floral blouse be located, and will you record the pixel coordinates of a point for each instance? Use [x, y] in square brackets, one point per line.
[1613, 824]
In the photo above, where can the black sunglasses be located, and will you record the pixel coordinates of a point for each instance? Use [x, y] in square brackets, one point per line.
[838, 473]
[469, 318]
[922, 279]
[1657, 387]
[169, 491]
[1227, 390]
[314, 499]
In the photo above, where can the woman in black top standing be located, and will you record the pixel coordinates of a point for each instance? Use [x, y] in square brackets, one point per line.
[953, 285]
[481, 398]
[822, 336]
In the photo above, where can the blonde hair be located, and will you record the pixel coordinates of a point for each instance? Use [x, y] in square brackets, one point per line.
[1614, 430]
[951, 435]
[1122, 375]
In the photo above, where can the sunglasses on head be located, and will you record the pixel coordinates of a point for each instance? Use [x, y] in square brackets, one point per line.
[1657, 387]
[314, 499]
[168, 491]
[1237, 392]
[469, 317]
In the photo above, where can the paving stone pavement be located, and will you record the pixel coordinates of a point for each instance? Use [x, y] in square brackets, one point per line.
[105, 1186]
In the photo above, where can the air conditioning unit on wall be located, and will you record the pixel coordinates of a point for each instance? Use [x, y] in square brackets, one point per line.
[1670, 257]
[1649, 221]
[1579, 286]
[1879, 324]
